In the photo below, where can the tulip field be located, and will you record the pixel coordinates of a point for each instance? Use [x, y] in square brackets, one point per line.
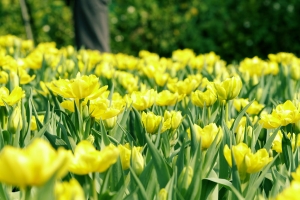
[81, 124]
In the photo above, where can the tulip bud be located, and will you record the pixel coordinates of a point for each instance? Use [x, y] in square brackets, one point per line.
[91, 139]
[163, 194]
[186, 177]
[151, 122]
[15, 120]
[110, 123]
[137, 161]
[228, 89]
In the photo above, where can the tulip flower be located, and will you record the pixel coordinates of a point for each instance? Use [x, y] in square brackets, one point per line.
[87, 159]
[207, 134]
[79, 88]
[246, 161]
[206, 98]
[137, 160]
[68, 190]
[15, 120]
[228, 89]
[143, 100]
[171, 120]
[34, 165]
[11, 99]
[151, 122]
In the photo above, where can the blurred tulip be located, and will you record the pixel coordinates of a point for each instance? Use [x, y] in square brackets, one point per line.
[87, 159]
[34, 165]
[137, 160]
[71, 190]
[15, 120]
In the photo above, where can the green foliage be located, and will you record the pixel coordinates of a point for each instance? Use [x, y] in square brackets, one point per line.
[232, 29]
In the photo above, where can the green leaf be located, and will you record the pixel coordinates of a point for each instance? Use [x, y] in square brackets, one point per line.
[270, 140]
[228, 185]
[140, 185]
[239, 117]
[287, 152]
[46, 192]
[3, 194]
[161, 167]
[116, 132]
[235, 176]
[194, 142]
[55, 141]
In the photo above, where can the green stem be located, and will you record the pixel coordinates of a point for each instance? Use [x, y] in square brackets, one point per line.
[208, 113]
[95, 194]
[226, 112]
[27, 193]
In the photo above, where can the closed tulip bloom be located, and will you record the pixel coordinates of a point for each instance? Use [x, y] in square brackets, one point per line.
[68, 190]
[137, 160]
[186, 177]
[151, 122]
[34, 165]
[206, 98]
[207, 134]
[15, 120]
[246, 161]
[125, 154]
[228, 89]
[163, 194]
[172, 119]
[87, 159]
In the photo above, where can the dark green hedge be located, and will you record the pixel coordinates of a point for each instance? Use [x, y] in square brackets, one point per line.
[233, 29]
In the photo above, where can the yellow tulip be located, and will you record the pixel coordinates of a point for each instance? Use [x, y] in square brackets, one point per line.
[228, 89]
[207, 134]
[137, 160]
[172, 119]
[143, 100]
[186, 177]
[253, 109]
[79, 88]
[34, 165]
[14, 97]
[15, 120]
[163, 194]
[282, 115]
[167, 98]
[246, 161]
[151, 122]
[71, 190]
[291, 192]
[3, 77]
[206, 98]
[125, 154]
[87, 159]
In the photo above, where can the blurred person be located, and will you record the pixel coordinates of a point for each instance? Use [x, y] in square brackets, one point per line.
[91, 24]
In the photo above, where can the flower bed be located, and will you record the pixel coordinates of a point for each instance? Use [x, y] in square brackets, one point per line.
[90, 125]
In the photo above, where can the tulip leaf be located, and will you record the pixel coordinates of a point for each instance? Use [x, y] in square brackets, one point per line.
[139, 184]
[45, 192]
[270, 140]
[287, 152]
[2, 141]
[55, 141]
[65, 136]
[104, 138]
[3, 194]
[137, 130]
[161, 167]
[239, 117]
[117, 179]
[121, 121]
[195, 188]
[235, 176]
[152, 186]
[194, 142]
[225, 183]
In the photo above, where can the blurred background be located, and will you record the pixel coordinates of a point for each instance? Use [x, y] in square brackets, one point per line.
[232, 29]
